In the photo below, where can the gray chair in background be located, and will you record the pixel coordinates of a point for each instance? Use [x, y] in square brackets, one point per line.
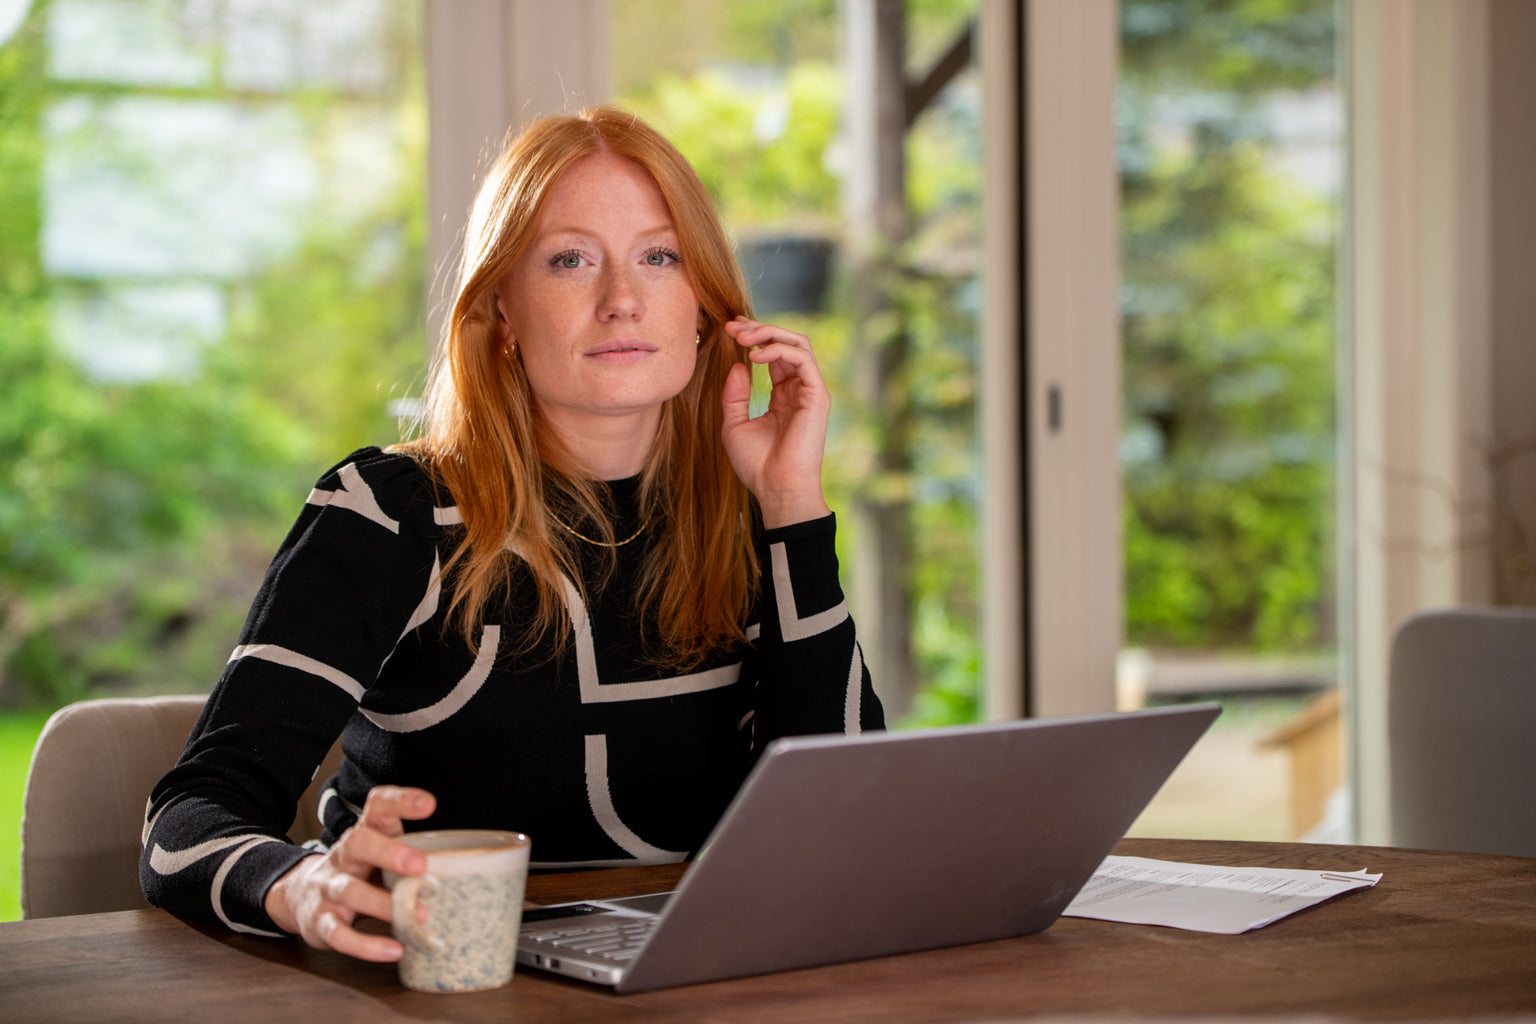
[83, 811]
[1462, 731]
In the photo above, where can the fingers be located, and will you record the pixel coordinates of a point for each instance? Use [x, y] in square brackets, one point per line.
[371, 843]
[320, 902]
[788, 355]
[778, 454]
[322, 896]
[331, 932]
[361, 850]
[388, 807]
[339, 890]
[756, 335]
[754, 332]
[345, 887]
[737, 395]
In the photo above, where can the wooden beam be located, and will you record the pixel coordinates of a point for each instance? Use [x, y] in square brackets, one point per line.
[920, 94]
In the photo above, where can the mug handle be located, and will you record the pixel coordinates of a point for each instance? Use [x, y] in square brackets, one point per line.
[402, 905]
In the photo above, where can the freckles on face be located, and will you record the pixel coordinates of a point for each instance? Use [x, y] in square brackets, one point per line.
[600, 305]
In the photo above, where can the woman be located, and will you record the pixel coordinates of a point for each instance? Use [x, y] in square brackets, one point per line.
[576, 607]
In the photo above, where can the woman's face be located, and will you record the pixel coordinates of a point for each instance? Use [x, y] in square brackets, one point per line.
[601, 308]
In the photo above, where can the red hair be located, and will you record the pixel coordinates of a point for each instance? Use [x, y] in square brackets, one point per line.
[485, 441]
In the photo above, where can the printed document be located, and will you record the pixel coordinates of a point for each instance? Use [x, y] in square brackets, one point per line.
[1199, 897]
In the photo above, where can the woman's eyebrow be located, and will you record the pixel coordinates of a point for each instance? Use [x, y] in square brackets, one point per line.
[586, 234]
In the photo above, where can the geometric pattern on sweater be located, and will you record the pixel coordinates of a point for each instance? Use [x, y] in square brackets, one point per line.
[603, 761]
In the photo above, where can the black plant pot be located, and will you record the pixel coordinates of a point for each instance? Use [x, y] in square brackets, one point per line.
[786, 273]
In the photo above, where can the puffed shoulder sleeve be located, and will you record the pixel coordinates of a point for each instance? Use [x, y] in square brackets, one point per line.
[811, 676]
[357, 572]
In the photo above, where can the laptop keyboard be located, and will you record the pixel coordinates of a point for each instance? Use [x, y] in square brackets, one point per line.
[614, 939]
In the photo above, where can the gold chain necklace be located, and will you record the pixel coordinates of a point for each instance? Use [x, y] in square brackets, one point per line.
[601, 543]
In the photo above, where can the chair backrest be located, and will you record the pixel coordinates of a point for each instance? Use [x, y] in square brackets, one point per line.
[83, 811]
[1462, 731]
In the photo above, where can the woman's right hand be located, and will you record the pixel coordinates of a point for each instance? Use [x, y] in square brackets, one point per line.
[321, 896]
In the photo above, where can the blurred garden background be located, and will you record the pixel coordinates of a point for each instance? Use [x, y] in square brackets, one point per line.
[213, 285]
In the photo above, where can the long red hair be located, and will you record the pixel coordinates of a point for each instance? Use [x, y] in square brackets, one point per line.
[485, 441]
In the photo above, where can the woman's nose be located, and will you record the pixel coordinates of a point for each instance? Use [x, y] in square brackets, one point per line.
[620, 298]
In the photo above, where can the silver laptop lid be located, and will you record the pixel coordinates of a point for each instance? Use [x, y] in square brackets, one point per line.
[840, 848]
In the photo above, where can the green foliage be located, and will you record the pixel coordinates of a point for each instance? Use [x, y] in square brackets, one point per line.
[107, 484]
[1229, 46]
[136, 518]
[1228, 311]
[684, 37]
[764, 176]
[356, 333]
[950, 660]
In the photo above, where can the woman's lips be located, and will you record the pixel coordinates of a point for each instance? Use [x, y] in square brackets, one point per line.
[625, 351]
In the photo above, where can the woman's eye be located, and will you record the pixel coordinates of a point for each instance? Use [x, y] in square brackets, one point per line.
[569, 260]
[660, 257]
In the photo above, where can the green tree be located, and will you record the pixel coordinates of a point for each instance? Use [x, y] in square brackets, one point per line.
[136, 518]
[1228, 329]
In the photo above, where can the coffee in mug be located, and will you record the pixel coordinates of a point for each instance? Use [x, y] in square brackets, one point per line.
[473, 895]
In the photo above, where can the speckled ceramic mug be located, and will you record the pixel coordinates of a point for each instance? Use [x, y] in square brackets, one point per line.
[473, 895]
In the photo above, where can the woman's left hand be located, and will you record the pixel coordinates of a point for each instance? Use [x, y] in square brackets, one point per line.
[778, 454]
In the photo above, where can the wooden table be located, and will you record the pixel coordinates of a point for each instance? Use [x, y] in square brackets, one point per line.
[1442, 936]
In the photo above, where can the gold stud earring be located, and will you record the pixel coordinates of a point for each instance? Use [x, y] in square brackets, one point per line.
[698, 336]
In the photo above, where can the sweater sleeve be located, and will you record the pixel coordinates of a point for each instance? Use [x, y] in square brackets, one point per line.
[353, 575]
[811, 676]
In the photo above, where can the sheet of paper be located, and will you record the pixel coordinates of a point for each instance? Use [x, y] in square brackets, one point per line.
[1138, 890]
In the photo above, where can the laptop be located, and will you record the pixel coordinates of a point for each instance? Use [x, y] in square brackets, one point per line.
[842, 848]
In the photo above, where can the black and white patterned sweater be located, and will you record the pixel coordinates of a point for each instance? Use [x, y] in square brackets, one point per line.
[597, 757]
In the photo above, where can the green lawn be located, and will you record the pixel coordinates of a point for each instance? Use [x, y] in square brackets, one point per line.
[18, 733]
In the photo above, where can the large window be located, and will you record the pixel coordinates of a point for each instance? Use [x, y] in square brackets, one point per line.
[1231, 164]
[211, 264]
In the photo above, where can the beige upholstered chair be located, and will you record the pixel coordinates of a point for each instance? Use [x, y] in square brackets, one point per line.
[1462, 731]
[83, 812]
